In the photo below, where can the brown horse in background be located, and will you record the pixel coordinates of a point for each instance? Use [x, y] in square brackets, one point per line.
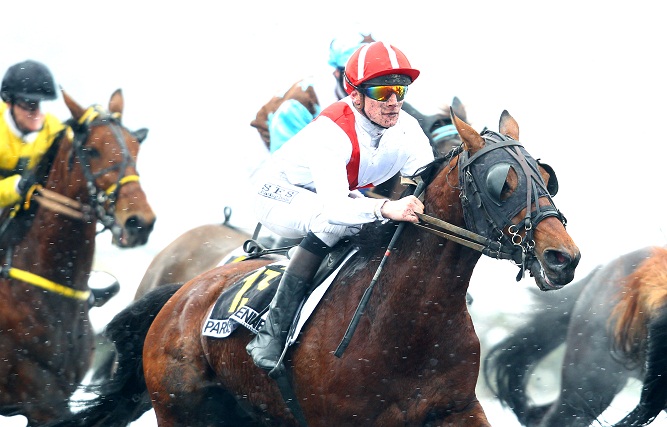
[46, 340]
[613, 327]
[415, 356]
[195, 251]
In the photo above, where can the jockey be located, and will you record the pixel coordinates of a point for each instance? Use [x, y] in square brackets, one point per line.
[283, 116]
[26, 132]
[310, 186]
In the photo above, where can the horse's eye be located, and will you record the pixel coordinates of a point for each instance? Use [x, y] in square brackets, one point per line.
[92, 152]
[496, 182]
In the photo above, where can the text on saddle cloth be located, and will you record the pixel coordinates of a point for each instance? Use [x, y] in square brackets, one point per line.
[245, 302]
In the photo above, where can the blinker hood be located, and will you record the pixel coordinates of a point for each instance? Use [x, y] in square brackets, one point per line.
[483, 176]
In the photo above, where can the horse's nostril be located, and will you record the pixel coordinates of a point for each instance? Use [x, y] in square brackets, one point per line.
[557, 257]
[135, 225]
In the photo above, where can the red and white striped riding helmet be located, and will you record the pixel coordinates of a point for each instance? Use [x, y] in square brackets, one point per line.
[374, 60]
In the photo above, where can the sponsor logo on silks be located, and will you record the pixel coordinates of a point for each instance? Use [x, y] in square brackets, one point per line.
[277, 192]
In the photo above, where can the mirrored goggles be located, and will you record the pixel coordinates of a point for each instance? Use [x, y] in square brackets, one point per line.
[383, 93]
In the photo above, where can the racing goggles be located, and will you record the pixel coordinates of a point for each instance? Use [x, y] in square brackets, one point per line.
[27, 105]
[383, 93]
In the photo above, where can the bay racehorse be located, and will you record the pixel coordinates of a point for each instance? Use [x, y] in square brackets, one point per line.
[414, 358]
[613, 327]
[47, 247]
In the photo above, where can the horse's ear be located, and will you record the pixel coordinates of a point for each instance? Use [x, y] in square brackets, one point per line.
[508, 126]
[140, 134]
[459, 109]
[74, 108]
[116, 103]
[472, 141]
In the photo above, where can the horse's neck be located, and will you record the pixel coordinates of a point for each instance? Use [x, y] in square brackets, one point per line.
[66, 176]
[57, 246]
[421, 295]
[431, 273]
[438, 267]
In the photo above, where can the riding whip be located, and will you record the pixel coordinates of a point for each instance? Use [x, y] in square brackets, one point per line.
[367, 293]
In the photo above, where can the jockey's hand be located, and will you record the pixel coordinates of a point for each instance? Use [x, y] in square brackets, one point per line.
[25, 183]
[403, 209]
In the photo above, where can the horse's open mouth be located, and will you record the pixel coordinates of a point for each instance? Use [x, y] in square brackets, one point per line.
[135, 233]
[122, 239]
[541, 277]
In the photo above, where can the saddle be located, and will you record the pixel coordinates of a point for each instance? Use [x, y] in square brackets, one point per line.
[247, 301]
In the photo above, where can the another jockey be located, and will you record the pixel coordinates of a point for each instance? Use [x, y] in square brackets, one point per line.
[26, 133]
[310, 187]
[283, 116]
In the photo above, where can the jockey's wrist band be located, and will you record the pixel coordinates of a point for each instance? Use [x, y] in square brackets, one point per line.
[378, 209]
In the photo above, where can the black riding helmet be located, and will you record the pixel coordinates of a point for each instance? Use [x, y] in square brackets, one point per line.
[29, 81]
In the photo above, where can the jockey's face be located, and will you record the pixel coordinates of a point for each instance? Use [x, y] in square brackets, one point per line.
[28, 116]
[383, 113]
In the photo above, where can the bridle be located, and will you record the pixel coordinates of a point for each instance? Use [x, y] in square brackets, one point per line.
[481, 180]
[103, 201]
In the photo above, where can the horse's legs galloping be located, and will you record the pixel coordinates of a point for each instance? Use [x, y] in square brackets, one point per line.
[590, 378]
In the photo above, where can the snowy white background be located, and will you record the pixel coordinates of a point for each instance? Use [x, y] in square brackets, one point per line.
[585, 81]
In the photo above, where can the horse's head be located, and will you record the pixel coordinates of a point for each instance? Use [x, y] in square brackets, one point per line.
[106, 153]
[506, 199]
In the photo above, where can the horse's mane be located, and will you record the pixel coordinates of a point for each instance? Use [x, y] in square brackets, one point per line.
[644, 293]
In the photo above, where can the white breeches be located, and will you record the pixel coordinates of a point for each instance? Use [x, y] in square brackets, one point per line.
[292, 212]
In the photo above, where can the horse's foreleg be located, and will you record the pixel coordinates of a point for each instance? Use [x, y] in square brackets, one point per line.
[472, 416]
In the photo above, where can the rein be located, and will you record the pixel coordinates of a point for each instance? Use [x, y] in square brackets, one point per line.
[463, 237]
[49, 199]
[67, 206]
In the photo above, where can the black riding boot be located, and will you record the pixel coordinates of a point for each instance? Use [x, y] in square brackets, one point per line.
[268, 345]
